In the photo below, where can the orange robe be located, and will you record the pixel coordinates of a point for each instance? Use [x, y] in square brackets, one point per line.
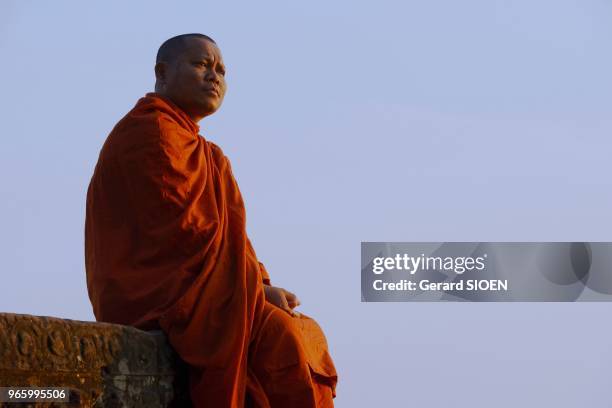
[166, 247]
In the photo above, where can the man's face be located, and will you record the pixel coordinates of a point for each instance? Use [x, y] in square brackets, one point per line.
[195, 80]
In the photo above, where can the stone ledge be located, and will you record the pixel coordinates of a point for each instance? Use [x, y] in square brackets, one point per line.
[103, 365]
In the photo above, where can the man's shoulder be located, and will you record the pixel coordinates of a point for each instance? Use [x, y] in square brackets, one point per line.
[151, 117]
[217, 152]
[215, 148]
[156, 113]
[142, 127]
[137, 119]
[131, 131]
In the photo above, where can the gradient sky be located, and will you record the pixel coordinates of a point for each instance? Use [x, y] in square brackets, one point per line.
[348, 121]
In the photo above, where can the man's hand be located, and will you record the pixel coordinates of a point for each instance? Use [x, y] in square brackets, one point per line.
[282, 298]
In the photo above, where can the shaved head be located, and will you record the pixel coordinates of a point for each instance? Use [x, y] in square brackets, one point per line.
[191, 73]
[174, 46]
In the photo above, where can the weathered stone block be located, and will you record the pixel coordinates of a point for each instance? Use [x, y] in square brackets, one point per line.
[103, 365]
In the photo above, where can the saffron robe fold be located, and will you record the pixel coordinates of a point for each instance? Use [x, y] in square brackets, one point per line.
[166, 247]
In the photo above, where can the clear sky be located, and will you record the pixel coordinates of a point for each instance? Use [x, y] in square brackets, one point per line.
[479, 120]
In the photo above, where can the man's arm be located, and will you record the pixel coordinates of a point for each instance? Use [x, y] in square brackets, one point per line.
[277, 296]
[265, 276]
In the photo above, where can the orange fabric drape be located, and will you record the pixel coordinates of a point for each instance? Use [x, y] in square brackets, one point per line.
[166, 247]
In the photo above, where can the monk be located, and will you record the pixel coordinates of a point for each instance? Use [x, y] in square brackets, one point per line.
[166, 248]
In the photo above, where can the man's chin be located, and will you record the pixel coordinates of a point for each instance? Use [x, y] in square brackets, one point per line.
[209, 107]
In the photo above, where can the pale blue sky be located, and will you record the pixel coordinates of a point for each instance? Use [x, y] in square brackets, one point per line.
[435, 120]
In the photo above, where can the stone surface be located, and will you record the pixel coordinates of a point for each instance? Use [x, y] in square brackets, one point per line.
[103, 365]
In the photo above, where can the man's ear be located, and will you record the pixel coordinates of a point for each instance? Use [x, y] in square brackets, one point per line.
[160, 72]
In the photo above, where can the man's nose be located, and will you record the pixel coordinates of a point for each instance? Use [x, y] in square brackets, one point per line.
[212, 75]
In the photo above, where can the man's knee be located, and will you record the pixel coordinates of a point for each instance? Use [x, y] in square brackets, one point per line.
[280, 344]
